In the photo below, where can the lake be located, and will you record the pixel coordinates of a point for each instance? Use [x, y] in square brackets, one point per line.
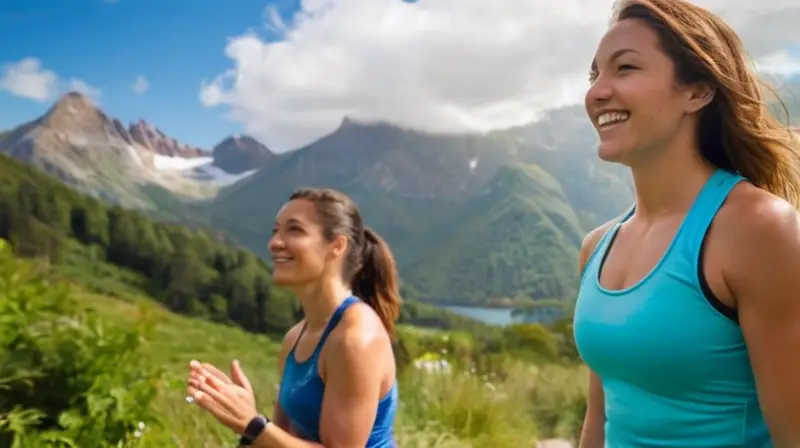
[499, 316]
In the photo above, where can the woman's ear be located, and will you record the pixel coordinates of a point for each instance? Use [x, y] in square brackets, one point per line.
[700, 96]
[339, 246]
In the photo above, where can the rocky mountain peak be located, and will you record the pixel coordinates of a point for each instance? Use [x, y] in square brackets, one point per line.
[239, 153]
[149, 136]
[75, 112]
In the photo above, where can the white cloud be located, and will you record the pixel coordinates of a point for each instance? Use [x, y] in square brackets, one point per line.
[141, 85]
[76, 85]
[28, 79]
[444, 65]
[781, 63]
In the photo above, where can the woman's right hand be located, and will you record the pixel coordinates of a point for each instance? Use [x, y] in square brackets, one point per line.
[232, 401]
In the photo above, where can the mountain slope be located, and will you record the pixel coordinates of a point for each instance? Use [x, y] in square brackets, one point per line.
[399, 177]
[415, 187]
[193, 271]
[80, 145]
[410, 185]
[517, 237]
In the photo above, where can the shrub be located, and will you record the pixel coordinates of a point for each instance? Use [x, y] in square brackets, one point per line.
[67, 378]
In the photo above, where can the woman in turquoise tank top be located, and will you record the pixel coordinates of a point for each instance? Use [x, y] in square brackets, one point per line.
[338, 386]
[688, 313]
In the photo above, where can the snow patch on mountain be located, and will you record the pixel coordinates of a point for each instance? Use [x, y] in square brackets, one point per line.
[198, 168]
[221, 177]
[170, 163]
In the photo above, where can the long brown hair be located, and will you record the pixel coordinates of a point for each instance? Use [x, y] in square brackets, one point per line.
[738, 132]
[369, 266]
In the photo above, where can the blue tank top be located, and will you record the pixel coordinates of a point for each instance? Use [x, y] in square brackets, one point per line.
[302, 389]
[675, 370]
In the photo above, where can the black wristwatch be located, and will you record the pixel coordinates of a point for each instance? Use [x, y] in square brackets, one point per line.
[253, 430]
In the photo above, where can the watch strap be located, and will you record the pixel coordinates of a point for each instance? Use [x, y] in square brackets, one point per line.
[253, 430]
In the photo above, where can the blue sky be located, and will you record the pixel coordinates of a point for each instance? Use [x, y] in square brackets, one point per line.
[439, 66]
[174, 44]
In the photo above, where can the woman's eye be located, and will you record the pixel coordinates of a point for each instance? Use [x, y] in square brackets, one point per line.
[626, 67]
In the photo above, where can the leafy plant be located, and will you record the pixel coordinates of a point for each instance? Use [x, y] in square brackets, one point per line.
[67, 377]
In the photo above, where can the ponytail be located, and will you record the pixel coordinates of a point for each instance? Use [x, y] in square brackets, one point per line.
[376, 282]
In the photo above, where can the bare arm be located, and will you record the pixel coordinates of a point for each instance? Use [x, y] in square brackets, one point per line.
[593, 432]
[358, 362]
[764, 276]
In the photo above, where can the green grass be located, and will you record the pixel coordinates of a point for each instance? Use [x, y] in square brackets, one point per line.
[510, 392]
[179, 339]
[455, 409]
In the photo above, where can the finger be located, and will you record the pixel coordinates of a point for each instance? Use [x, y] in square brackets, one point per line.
[215, 408]
[211, 370]
[217, 390]
[207, 369]
[239, 378]
[195, 381]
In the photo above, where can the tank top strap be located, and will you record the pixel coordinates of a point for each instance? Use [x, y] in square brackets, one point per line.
[334, 320]
[704, 209]
[602, 245]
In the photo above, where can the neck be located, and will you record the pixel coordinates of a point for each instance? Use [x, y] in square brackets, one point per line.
[319, 300]
[670, 181]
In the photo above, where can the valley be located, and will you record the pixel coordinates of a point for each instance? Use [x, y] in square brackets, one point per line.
[473, 218]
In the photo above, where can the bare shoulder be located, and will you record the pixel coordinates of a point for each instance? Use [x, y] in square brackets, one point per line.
[757, 230]
[359, 335]
[592, 238]
[756, 220]
[290, 338]
[359, 331]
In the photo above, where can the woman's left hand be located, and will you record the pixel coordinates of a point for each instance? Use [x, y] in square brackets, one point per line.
[230, 400]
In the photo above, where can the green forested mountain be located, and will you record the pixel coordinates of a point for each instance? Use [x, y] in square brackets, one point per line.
[518, 236]
[471, 217]
[192, 271]
[413, 188]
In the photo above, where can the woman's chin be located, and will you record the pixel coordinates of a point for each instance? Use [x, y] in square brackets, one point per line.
[610, 152]
[280, 279]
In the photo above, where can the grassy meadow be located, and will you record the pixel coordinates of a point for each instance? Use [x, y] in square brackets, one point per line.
[118, 362]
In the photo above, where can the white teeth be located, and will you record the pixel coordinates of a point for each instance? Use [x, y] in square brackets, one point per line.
[281, 260]
[612, 117]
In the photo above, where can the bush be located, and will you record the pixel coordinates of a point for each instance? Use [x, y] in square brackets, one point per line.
[67, 378]
[507, 390]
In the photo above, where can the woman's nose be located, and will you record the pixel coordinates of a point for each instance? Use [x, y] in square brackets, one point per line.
[599, 91]
[275, 243]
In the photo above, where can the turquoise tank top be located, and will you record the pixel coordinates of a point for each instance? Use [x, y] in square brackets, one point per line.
[671, 357]
[302, 389]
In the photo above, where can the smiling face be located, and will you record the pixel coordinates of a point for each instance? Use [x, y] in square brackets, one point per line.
[298, 247]
[635, 102]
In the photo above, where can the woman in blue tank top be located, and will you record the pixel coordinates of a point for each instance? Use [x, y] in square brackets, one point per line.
[338, 386]
[688, 313]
